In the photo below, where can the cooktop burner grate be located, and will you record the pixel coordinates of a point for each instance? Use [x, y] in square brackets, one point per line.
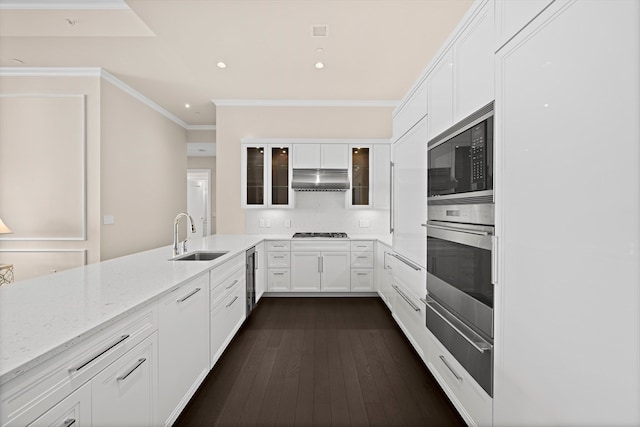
[321, 234]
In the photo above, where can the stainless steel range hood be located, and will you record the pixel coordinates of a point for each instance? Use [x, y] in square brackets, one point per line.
[320, 180]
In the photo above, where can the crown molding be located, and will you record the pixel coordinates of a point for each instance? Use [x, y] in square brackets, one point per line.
[302, 103]
[201, 127]
[63, 4]
[90, 72]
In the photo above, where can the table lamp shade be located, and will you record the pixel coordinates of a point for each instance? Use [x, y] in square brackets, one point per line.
[3, 228]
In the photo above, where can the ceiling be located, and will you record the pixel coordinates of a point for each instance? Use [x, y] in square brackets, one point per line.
[167, 50]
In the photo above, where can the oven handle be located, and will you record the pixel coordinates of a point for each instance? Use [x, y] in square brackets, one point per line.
[474, 339]
[459, 230]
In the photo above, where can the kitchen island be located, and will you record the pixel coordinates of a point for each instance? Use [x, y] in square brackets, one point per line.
[142, 315]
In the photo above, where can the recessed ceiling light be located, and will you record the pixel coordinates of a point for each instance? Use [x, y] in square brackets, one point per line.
[221, 65]
[319, 65]
[187, 105]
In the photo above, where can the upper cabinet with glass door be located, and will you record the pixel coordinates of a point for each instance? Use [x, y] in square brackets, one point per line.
[360, 171]
[266, 176]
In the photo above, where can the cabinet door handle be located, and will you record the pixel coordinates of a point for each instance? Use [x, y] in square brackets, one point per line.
[99, 353]
[189, 295]
[406, 298]
[391, 197]
[406, 261]
[458, 377]
[68, 422]
[319, 264]
[255, 264]
[232, 301]
[231, 285]
[133, 368]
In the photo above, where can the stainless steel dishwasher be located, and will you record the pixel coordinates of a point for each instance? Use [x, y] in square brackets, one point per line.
[251, 280]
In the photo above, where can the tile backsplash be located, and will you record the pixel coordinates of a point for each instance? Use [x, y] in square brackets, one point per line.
[318, 211]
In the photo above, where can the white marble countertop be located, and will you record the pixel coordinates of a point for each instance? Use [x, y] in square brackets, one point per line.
[42, 317]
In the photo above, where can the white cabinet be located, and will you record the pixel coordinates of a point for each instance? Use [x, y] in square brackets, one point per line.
[227, 303]
[473, 56]
[409, 208]
[469, 398]
[261, 270]
[413, 109]
[184, 345]
[513, 16]
[74, 410]
[320, 266]
[362, 266]
[125, 393]
[461, 82]
[568, 102]
[440, 100]
[278, 265]
[381, 176]
[266, 176]
[320, 156]
[383, 276]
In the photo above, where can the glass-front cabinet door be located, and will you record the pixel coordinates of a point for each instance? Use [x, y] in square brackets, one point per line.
[266, 176]
[360, 172]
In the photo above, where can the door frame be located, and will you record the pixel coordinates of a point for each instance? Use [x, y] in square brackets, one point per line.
[204, 175]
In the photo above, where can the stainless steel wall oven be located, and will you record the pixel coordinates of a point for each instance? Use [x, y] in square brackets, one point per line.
[460, 244]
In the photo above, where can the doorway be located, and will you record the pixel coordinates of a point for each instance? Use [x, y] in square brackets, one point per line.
[199, 199]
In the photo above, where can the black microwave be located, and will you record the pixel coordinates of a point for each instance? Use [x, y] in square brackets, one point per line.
[460, 160]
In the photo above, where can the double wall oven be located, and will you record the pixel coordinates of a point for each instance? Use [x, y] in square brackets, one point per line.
[460, 243]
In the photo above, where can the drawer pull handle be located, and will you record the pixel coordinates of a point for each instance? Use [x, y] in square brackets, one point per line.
[406, 298]
[68, 422]
[189, 295]
[279, 257]
[130, 371]
[362, 274]
[99, 353]
[232, 301]
[359, 246]
[231, 285]
[278, 246]
[278, 274]
[406, 261]
[458, 377]
[363, 256]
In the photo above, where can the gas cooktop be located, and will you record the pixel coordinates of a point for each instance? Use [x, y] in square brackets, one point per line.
[321, 234]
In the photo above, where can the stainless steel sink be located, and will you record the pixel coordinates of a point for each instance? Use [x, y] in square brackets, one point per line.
[199, 256]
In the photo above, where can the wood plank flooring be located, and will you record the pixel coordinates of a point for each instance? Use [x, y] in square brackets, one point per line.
[320, 362]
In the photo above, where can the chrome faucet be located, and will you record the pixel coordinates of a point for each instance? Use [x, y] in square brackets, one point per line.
[179, 249]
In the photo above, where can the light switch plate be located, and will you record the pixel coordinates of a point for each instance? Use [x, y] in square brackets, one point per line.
[109, 220]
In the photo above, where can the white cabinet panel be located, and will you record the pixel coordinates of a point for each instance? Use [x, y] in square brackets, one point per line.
[279, 280]
[410, 194]
[408, 311]
[226, 319]
[381, 176]
[513, 16]
[125, 393]
[261, 267]
[383, 277]
[473, 70]
[74, 410]
[411, 112]
[305, 271]
[334, 156]
[335, 271]
[567, 132]
[184, 345]
[440, 83]
[362, 280]
[279, 259]
[306, 156]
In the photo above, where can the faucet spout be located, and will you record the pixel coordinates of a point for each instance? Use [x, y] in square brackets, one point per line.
[181, 248]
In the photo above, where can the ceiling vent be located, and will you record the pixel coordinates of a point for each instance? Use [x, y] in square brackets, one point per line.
[319, 30]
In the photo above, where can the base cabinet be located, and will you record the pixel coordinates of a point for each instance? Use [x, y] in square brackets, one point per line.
[321, 271]
[384, 278]
[124, 394]
[183, 347]
[226, 316]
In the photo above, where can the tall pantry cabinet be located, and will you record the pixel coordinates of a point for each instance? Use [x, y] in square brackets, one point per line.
[568, 208]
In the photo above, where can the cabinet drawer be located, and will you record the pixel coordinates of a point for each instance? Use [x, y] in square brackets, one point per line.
[410, 275]
[123, 393]
[279, 259]
[362, 246]
[226, 286]
[409, 313]
[279, 280]
[31, 394]
[362, 280]
[278, 245]
[463, 391]
[222, 272]
[225, 320]
[74, 410]
[320, 245]
[362, 260]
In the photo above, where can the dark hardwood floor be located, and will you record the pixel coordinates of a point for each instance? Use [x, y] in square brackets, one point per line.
[319, 362]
